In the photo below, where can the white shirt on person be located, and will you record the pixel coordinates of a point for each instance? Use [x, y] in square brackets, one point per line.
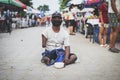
[88, 14]
[75, 10]
[66, 15]
[110, 7]
[56, 40]
[71, 15]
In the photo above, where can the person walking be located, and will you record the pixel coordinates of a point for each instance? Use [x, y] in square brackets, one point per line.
[114, 21]
[72, 23]
[66, 18]
[103, 13]
[8, 20]
[53, 40]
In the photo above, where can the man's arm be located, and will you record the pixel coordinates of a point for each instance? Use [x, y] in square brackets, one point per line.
[67, 52]
[44, 40]
[114, 7]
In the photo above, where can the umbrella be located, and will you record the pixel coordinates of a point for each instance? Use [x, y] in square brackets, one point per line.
[14, 2]
[87, 9]
[76, 1]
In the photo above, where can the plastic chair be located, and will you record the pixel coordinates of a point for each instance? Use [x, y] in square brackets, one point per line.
[89, 30]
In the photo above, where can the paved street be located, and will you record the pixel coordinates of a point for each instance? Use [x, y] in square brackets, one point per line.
[20, 55]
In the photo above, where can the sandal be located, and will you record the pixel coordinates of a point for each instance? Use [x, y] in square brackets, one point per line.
[114, 50]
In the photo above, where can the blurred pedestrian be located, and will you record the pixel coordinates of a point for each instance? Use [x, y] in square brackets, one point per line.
[71, 20]
[103, 10]
[66, 18]
[48, 20]
[114, 21]
[8, 19]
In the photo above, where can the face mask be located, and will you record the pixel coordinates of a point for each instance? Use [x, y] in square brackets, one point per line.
[56, 23]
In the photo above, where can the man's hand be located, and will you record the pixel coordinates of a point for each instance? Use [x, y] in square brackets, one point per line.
[102, 24]
[66, 61]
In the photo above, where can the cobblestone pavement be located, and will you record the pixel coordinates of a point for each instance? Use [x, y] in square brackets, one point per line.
[20, 54]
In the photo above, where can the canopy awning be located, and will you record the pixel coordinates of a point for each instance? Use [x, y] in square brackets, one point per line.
[14, 2]
[20, 4]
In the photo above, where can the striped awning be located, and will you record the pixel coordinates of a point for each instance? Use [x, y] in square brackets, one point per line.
[14, 2]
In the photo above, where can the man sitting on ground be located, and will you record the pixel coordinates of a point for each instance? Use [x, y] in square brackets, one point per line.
[53, 40]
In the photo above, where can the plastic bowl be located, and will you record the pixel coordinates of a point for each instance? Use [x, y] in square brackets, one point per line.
[59, 65]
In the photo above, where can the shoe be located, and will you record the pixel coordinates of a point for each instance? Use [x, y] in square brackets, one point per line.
[108, 46]
[114, 50]
[86, 36]
[105, 45]
[117, 49]
[101, 45]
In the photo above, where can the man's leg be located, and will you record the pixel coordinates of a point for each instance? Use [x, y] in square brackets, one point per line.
[45, 60]
[72, 59]
[49, 58]
[113, 37]
[9, 27]
[105, 36]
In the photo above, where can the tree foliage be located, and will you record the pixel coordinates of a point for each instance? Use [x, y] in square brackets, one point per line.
[63, 4]
[43, 8]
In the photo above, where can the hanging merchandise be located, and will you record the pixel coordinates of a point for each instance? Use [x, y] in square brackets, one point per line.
[89, 2]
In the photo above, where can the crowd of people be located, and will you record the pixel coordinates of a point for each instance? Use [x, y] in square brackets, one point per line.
[11, 19]
[108, 24]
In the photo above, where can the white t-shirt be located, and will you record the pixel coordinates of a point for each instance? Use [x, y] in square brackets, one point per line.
[65, 15]
[56, 40]
[88, 14]
[110, 7]
[71, 15]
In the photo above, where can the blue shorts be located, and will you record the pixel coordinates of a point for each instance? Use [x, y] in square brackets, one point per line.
[56, 55]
